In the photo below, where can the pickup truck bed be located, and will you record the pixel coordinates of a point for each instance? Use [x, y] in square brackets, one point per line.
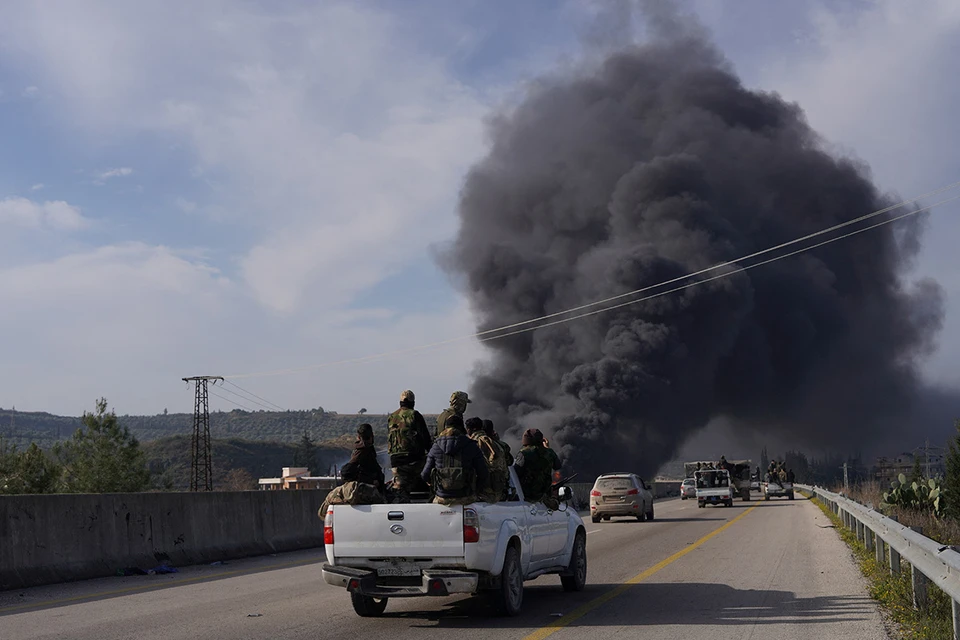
[387, 551]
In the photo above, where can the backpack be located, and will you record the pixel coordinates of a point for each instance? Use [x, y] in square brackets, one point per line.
[493, 453]
[402, 434]
[452, 479]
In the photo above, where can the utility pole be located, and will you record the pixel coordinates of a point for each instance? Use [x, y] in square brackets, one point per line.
[201, 469]
[846, 477]
[926, 457]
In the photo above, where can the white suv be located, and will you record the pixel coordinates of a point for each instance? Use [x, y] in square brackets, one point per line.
[621, 494]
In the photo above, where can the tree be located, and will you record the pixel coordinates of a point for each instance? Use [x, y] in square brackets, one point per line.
[239, 480]
[30, 471]
[951, 483]
[764, 461]
[306, 453]
[917, 474]
[102, 456]
[361, 412]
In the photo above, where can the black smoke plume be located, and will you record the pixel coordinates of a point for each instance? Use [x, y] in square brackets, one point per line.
[655, 164]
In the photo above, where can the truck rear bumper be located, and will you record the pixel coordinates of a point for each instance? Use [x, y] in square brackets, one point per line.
[433, 582]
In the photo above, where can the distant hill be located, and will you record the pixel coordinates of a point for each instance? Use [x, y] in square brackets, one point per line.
[22, 428]
[169, 459]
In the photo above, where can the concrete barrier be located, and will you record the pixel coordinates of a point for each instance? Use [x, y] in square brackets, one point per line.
[46, 539]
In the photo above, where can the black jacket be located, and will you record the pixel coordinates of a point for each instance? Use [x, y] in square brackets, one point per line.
[370, 471]
[460, 446]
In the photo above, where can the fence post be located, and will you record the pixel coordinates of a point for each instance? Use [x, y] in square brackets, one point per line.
[859, 531]
[868, 537]
[881, 550]
[894, 556]
[956, 619]
[919, 582]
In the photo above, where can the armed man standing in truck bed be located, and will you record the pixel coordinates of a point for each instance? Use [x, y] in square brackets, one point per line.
[458, 405]
[409, 442]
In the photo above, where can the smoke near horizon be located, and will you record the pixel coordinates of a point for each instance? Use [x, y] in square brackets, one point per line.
[654, 164]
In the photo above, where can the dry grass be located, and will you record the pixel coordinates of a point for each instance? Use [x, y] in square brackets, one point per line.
[943, 530]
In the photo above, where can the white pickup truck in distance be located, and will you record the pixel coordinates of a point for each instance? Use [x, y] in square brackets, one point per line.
[713, 487]
[384, 551]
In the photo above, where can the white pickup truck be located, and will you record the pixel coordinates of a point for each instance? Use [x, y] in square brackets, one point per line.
[777, 489]
[714, 487]
[384, 551]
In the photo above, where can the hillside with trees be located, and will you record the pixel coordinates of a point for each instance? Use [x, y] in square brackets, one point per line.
[22, 428]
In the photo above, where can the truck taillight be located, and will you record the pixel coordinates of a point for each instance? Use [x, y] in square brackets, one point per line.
[328, 527]
[595, 493]
[633, 492]
[471, 526]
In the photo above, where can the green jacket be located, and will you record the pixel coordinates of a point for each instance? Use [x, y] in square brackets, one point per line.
[442, 418]
[535, 465]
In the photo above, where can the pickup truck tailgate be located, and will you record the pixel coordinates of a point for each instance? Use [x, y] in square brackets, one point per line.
[397, 530]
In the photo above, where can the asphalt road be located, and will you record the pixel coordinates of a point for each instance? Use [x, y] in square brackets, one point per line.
[758, 570]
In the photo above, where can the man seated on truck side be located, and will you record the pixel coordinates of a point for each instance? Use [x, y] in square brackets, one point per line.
[494, 454]
[365, 457]
[490, 431]
[455, 466]
[352, 491]
[535, 464]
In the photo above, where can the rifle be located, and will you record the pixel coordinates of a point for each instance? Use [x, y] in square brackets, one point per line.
[562, 481]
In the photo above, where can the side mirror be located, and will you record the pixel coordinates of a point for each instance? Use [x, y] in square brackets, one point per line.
[565, 493]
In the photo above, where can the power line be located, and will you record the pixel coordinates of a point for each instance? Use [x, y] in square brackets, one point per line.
[278, 407]
[484, 336]
[245, 408]
[244, 398]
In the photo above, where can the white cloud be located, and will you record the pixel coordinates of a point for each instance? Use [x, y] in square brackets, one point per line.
[113, 173]
[37, 186]
[185, 205]
[56, 214]
[30, 92]
[325, 125]
[326, 137]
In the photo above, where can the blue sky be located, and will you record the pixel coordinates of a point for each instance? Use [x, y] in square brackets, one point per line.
[233, 187]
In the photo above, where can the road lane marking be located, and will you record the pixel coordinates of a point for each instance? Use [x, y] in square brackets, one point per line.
[586, 608]
[142, 588]
[595, 531]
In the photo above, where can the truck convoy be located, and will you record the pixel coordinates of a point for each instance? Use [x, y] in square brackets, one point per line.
[739, 470]
[382, 551]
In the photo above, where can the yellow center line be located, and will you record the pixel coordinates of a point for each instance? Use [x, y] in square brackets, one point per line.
[586, 608]
[152, 586]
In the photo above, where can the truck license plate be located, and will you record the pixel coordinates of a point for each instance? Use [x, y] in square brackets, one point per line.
[399, 571]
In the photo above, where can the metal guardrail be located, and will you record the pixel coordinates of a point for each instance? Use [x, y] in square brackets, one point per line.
[891, 541]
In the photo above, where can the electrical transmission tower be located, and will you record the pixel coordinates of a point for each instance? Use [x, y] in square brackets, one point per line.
[201, 470]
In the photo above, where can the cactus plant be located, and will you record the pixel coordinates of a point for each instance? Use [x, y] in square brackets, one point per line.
[919, 496]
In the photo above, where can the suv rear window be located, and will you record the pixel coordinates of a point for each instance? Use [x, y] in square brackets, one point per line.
[614, 483]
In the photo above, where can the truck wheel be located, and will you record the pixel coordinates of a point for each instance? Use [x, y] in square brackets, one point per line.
[509, 596]
[650, 513]
[578, 565]
[766, 496]
[367, 607]
[790, 495]
[595, 519]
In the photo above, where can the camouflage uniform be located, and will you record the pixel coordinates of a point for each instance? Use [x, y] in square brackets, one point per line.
[535, 465]
[495, 456]
[458, 404]
[455, 466]
[409, 442]
[352, 492]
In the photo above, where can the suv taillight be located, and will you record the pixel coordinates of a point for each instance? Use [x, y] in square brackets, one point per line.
[595, 493]
[328, 527]
[471, 526]
[633, 492]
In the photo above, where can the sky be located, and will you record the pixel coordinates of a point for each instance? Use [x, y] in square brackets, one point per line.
[233, 188]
